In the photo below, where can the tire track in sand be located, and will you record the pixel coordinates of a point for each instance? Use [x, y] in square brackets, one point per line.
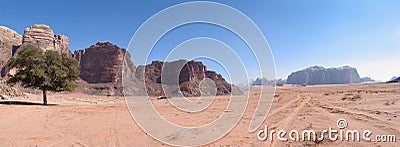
[288, 121]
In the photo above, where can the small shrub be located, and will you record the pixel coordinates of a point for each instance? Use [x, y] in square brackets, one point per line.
[351, 97]
[357, 96]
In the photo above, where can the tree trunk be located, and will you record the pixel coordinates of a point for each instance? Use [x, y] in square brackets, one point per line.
[44, 97]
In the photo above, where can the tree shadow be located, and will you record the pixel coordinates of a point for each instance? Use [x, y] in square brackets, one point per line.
[24, 103]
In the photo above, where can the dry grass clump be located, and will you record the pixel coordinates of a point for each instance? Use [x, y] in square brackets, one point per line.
[351, 97]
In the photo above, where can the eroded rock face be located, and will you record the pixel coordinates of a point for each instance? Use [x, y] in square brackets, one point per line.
[319, 75]
[101, 67]
[191, 74]
[42, 36]
[102, 63]
[39, 35]
[9, 42]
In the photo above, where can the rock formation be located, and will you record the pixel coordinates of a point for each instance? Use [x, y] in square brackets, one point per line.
[182, 77]
[101, 63]
[319, 75]
[101, 69]
[38, 35]
[42, 36]
[9, 42]
[7, 91]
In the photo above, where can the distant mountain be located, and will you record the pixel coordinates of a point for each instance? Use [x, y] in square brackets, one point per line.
[394, 80]
[367, 79]
[316, 75]
[265, 81]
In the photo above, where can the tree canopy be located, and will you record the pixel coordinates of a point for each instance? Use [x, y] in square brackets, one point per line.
[46, 71]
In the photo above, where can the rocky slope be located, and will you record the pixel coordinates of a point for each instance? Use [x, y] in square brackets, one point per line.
[9, 42]
[319, 75]
[7, 91]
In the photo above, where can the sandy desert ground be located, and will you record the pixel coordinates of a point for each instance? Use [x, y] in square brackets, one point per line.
[83, 120]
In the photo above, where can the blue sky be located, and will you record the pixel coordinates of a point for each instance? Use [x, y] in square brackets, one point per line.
[361, 33]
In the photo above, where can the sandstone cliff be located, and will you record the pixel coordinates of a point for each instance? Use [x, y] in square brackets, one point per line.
[101, 70]
[101, 67]
[9, 42]
[102, 63]
[38, 35]
[319, 75]
[42, 36]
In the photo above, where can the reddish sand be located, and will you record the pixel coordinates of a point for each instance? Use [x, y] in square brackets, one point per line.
[83, 120]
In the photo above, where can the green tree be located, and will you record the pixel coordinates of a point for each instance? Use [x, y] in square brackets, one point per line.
[46, 71]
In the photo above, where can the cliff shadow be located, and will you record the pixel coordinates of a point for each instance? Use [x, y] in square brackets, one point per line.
[25, 103]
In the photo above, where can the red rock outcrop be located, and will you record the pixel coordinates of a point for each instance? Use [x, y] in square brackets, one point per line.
[101, 68]
[38, 35]
[187, 75]
[102, 63]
